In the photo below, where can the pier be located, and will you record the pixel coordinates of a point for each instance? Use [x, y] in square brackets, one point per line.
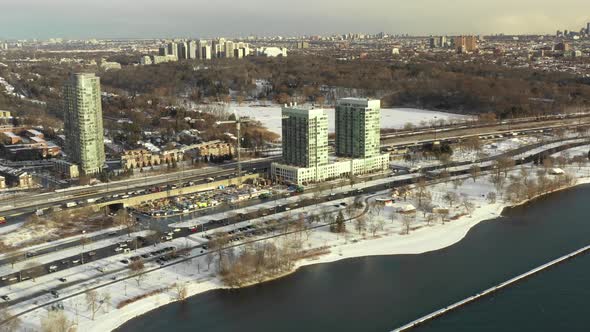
[491, 290]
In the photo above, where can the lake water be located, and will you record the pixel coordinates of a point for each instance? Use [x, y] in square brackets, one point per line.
[382, 293]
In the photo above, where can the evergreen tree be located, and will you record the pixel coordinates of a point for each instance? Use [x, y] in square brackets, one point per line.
[340, 225]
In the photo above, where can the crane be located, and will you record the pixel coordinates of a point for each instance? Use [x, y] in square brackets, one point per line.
[238, 121]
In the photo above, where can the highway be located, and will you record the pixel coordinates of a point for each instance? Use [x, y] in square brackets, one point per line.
[395, 181]
[30, 203]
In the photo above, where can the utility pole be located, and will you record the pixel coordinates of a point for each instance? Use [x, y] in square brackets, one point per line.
[238, 121]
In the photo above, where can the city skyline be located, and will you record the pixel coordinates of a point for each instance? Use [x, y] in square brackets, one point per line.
[110, 19]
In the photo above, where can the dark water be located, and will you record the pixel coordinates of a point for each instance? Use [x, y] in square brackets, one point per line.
[382, 293]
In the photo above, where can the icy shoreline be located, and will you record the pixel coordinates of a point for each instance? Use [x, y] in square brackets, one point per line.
[422, 240]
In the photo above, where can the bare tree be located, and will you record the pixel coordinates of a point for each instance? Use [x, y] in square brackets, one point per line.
[421, 192]
[209, 259]
[122, 219]
[360, 223]
[474, 171]
[498, 181]
[491, 197]
[504, 164]
[57, 321]
[429, 219]
[451, 198]
[8, 322]
[15, 257]
[407, 220]
[181, 291]
[373, 228]
[468, 206]
[137, 269]
[95, 301]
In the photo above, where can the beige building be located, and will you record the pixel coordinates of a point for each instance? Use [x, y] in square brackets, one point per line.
[66, 168]
[145, 158]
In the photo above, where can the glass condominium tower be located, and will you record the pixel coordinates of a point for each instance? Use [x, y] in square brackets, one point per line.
[358, 126]
[83, 122]
[305, 136]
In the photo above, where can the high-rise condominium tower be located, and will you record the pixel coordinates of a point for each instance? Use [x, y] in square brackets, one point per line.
[83, 122]
[358, 125]
[305, 137]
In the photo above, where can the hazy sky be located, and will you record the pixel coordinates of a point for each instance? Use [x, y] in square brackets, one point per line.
[209, 18]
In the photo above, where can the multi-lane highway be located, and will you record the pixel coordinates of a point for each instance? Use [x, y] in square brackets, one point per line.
[395, 181]
[30, 203]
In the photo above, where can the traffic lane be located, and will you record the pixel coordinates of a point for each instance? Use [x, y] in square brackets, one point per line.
[68, 262]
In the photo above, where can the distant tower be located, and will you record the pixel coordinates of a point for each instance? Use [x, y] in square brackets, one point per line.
[83, 122]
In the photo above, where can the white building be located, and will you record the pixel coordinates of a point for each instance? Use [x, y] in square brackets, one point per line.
[271, 51]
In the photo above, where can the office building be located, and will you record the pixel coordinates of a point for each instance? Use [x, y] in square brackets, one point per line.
[83, 122]
[466, 44]
[358, 125]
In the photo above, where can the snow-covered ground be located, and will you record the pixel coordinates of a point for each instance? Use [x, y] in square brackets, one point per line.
[270, 116]
[389, 240]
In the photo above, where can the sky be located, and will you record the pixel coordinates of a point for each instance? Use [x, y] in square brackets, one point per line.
[24, 19]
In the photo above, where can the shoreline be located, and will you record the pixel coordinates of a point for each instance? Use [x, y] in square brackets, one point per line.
[417, 243]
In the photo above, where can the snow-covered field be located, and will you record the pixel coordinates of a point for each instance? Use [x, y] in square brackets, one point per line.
[270, 116]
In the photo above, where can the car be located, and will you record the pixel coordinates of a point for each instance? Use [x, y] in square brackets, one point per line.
[145, 255]
[92, 253]
[100, 269]
[5, 297]
[65, 262]
[62, 279]
[112, 234]
[332, 194]
[54, 293]
[135, 258]
[75, 261]
[343, 204]
[176, 230]
[118, 249]
[52, 268]
[30, 254]
[124, 261]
